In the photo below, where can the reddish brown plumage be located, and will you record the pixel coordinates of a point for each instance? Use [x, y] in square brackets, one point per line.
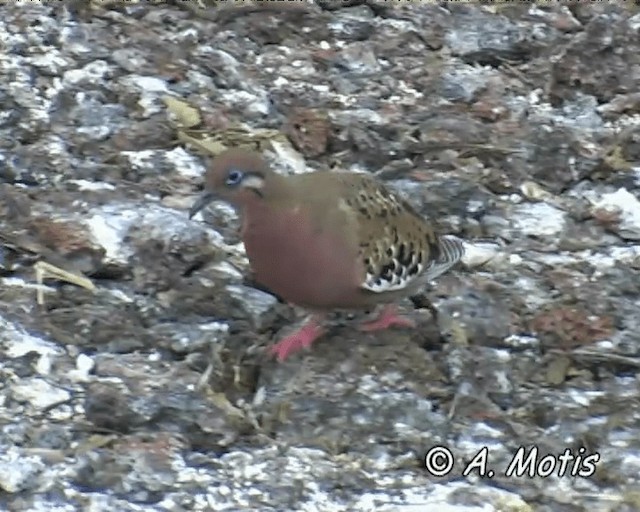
[313, 268]
[327, 240]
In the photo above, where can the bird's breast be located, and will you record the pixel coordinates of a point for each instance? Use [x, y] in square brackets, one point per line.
[312, 264]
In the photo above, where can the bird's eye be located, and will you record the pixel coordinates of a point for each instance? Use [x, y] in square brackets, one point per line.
[234, 177]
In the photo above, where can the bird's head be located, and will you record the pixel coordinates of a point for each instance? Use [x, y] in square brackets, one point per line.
[237, 176]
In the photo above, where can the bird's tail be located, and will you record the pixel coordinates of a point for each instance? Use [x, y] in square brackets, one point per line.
[452, 249]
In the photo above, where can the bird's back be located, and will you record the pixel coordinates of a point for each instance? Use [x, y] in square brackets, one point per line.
[398, 250]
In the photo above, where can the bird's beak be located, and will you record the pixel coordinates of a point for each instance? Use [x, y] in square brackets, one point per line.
[201, 202]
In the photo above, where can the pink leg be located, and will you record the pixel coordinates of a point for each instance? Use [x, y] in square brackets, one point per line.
[302, 338]
[387, 318]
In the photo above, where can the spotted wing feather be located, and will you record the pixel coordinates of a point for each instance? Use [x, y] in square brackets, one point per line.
[397, 247]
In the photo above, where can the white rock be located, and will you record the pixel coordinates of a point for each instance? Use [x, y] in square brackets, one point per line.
[38, 392]
[84, 365]
[108, 226]
[628, 206]
[92, 185]
[538, 219]
[479, 253]
[16, 342]
[18, 472]
[185, 163]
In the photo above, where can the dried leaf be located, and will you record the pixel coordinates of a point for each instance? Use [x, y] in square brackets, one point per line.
[202, 142]
[557, 370]
[531, 190]
[185, 115]
[45, 270]
[214, 143]
[94, 442]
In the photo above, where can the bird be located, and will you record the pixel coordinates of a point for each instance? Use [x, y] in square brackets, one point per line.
[328, 240]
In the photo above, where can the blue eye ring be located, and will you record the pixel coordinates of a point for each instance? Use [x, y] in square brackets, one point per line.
[234, 177]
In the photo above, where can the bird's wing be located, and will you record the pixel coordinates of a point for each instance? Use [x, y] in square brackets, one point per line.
[397, 247]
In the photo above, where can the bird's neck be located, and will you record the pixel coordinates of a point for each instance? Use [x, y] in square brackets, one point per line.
[261, 213]
[276, 193]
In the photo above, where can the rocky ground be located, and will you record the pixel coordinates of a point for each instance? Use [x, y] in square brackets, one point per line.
[511, 123]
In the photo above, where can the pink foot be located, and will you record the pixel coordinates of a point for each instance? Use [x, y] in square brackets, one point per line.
[302, 338]
[387, 318]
